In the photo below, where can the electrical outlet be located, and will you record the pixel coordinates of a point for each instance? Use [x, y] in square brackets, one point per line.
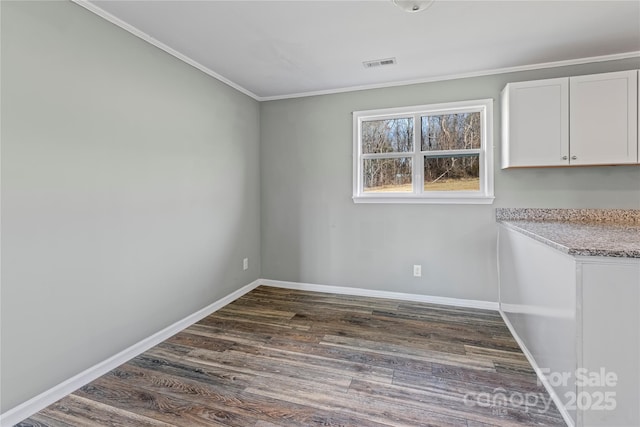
[245, 264]
[417, 270]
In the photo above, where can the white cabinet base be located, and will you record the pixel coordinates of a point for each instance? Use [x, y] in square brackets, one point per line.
[609, 322]
[578, 320]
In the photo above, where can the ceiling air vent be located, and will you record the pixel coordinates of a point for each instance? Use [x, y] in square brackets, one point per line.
[379, 62]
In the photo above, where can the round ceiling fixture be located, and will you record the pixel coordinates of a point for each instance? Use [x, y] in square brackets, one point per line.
[412, 6]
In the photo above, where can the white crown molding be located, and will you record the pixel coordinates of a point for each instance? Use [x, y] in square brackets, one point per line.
[46, 398]
[146, 37]
[343, 290]
[481, 73]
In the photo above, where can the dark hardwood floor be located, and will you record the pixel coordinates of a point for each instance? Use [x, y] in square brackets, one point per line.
[278, 357]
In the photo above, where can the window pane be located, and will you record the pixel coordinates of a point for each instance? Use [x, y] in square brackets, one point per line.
[451, 132]
[387, 175]
[452, 173]
[387, 136]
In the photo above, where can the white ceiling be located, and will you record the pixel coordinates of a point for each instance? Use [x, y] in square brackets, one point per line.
[273, 49]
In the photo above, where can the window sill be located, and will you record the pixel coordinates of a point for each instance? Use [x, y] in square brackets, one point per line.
[460, 200]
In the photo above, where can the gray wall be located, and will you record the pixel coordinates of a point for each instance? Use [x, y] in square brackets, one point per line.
[129, 190]
[132, 186]
[313, 232]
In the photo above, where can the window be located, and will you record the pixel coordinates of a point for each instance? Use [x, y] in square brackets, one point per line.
[440, 153]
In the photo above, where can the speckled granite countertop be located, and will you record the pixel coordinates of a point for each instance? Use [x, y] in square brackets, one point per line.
[580, 232]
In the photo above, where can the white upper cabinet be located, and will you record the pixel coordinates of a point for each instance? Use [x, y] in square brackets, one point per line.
[535, 123]
[604, 118]
[584, 120]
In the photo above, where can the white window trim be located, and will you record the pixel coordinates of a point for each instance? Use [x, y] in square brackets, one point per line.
[484, 196]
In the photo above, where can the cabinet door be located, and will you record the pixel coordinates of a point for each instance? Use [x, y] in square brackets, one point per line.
[604, 118]
[535, 123]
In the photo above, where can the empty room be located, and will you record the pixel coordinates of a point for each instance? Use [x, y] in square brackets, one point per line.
[319, 213]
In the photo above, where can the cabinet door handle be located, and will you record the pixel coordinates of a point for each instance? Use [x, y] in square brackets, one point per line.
[564, 157]
[574, 157]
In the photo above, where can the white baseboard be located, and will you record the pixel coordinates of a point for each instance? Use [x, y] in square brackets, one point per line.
[44, 399]
[41, 401]
[554, 396]
[343, 290]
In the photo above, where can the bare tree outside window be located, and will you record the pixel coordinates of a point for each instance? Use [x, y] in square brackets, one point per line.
[387, 136]
[388, 175]
[437, 153]
[449, 132]
[452, 173]
[384, 174]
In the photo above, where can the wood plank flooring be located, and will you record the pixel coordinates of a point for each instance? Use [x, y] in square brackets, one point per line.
[278, 357]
